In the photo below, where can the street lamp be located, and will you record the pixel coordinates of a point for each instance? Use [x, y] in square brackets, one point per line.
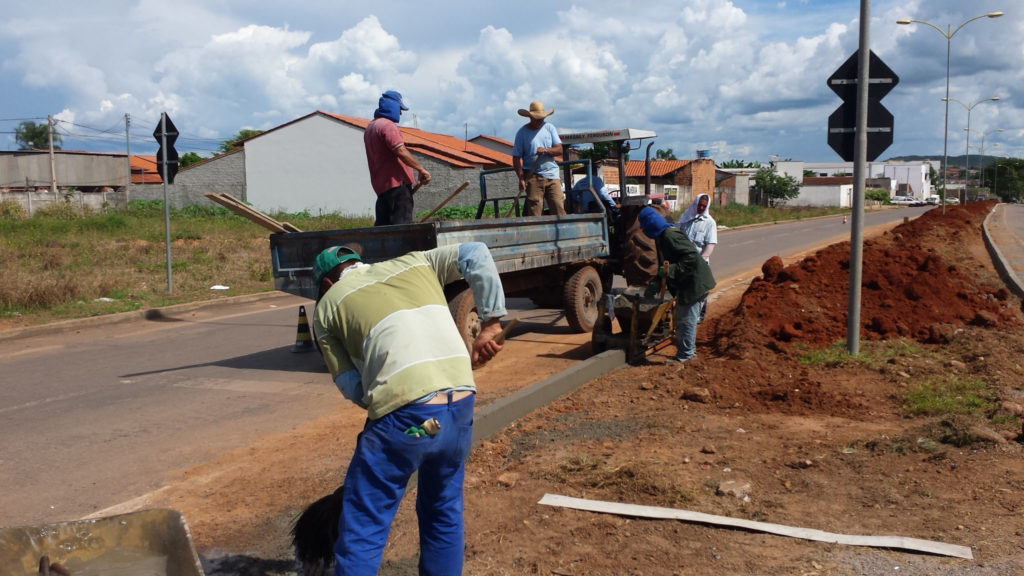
[948, 33]
[967, 168]
[981, 149]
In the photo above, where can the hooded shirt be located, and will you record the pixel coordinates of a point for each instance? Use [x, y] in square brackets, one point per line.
[701, 229]
[388, 108]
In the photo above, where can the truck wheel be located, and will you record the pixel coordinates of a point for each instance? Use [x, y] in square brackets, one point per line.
[582, 294]
[463, 310]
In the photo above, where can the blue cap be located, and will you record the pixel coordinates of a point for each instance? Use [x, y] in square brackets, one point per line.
[651, 222]
[395, 95]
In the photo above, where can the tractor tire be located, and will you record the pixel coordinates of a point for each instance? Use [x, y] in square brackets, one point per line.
[639, 256]
[463, 310]
[582, 294]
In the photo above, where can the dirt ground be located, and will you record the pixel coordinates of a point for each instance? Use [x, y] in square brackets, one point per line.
[770, 423]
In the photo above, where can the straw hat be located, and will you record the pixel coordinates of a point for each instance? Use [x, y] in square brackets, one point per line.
[536, 111]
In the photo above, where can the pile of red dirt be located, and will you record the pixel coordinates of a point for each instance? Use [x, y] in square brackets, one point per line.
[909, 290]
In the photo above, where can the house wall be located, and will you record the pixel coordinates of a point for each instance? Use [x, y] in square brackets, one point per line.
[837, 195]
[32, 201]
[316, 164]
[74, 170]
[223, 174]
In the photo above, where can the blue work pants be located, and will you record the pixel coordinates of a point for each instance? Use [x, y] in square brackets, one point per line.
[384, 461]
[686, 319]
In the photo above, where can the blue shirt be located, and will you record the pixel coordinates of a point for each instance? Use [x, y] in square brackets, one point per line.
[526, 144]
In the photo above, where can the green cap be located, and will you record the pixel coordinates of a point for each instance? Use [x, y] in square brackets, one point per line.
[329, 258]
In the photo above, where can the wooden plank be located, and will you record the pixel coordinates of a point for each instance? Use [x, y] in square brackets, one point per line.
[639, 511]
[250, 213]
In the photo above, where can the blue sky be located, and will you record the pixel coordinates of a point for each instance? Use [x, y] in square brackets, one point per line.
[744, 79]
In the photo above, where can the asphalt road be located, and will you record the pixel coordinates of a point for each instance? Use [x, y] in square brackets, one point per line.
[99, 415]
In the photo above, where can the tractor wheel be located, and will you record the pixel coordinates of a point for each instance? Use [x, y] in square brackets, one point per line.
[582, 294]
[463, 310]
[639, 256]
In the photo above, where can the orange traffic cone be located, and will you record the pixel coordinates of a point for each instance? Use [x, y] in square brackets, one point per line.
[303, 339]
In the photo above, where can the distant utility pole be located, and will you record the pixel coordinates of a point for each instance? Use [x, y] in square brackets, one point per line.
[128, 154]
[53, 163]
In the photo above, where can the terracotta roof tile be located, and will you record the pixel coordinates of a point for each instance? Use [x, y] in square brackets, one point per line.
[144, 169]
[449, 149]
[659, 168]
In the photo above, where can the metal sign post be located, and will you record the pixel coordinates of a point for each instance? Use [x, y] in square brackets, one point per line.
[167, 164]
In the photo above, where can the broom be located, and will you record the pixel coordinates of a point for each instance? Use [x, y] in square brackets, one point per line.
[314, 533]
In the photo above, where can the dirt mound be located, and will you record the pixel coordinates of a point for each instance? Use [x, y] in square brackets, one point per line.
[910, 289]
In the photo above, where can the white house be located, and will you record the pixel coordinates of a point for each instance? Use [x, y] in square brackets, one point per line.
[825, 189]
[318, 163]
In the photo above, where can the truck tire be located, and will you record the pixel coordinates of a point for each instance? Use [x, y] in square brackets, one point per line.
[463, 310]
[582, 293]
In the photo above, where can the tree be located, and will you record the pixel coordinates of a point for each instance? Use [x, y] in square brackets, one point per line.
[774, 187]
[598, 151]
[32, 136]
[1006, 177]
[666, 154]
[739, 164]
[189, 158]
[236, 140]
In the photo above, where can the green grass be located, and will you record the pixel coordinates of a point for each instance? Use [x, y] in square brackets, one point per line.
[65, 262]
[871, 353]
[733, 215]
[968, 395]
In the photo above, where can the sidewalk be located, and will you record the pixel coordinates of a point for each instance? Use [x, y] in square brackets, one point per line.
[1004, 237]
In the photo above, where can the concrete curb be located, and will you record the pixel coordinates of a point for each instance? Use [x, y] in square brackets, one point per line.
[490, 419]
[147, 314]
[1013, 282]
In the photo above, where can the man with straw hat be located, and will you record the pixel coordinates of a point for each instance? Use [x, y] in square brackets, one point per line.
[533, 157]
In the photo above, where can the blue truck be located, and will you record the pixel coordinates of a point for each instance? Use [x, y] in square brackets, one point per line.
[565, 262]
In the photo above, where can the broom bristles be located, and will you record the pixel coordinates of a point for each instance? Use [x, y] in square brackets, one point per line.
[315, 531]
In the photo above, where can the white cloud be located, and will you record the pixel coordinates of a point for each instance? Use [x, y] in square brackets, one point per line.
[741, 76]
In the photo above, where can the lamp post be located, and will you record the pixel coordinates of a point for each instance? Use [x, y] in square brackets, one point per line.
[948, 33]
[995, 178]
[981, 149]
[967, 168]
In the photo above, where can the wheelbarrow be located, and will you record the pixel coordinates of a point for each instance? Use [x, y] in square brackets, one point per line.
[152, 542]
[645, 319]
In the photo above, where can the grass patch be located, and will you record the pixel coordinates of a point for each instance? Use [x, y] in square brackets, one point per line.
[733, 215]
[967, 396]
[870, 354]
[63, 261]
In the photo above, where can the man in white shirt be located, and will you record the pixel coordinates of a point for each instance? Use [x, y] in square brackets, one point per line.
[698, 225]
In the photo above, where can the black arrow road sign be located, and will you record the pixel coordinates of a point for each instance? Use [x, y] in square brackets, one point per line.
[166, 134]
[842, 124]
[842, 130]
[881, 78]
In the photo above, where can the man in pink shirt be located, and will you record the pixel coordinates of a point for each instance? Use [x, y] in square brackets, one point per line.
[391, 164]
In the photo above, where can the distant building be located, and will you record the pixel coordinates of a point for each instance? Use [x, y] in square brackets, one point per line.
[822, 184]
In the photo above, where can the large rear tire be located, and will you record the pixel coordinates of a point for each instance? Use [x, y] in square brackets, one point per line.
[582, 294]
[639, 254]
[463, 309]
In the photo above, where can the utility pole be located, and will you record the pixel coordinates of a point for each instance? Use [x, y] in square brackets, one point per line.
[53, 163]
[128, 154]
[859, 176]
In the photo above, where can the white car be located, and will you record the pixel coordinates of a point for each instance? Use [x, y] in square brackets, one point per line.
[952, 200]
[903, 201]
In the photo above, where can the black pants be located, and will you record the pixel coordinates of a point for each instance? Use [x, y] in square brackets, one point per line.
[394, 206]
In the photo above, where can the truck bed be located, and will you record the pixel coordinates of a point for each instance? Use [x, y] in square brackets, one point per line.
[518, 245]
